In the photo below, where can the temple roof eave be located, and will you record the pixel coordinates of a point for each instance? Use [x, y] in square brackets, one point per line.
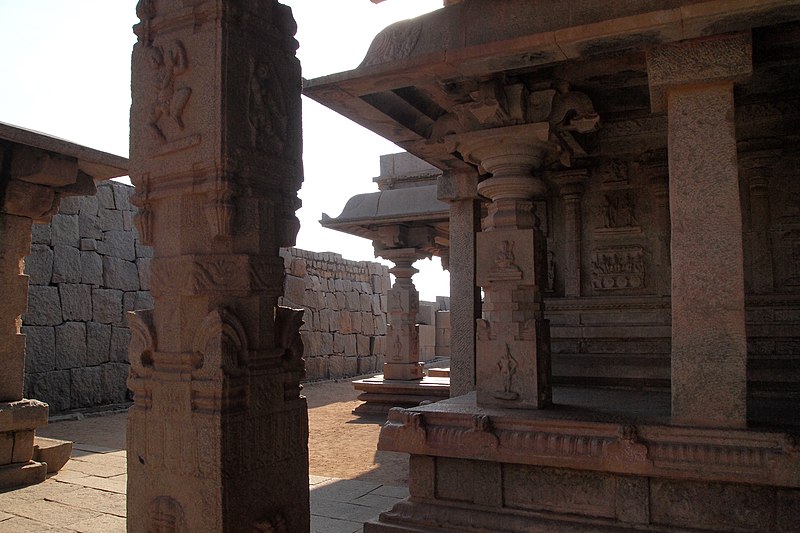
[405, 82]
[97, 164]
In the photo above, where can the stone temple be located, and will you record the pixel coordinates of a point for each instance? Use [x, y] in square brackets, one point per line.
[622, 230]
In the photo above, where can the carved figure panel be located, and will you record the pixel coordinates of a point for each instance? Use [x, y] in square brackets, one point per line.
[267, 113]
[617, 214]
[618, 268]
[167, 64]
[166, 516]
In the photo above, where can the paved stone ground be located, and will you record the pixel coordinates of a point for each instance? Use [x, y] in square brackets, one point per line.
[88, 494]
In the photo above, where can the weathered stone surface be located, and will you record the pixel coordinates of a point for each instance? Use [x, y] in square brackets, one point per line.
[40, 348]
[70, 345]
[39, 264]
[64, 230]
[87, 387]
[107, 306]
[76, 301]
[120, 340]
[44, 306]
[88, 245]
[91, 268]
[111, 220]
[115, 376]
[118, 244]
[142, 250]
[66, 264]
[40, 234]
[144, 300]
[90, 204]
[98, 343]
[122, 196]
[120, 274]
[52, 388]
[89, 226]
[143, 267]
[105, 198]
[71, 205]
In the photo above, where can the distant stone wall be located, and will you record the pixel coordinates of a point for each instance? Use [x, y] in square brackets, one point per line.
[345, 319]
[86, 270]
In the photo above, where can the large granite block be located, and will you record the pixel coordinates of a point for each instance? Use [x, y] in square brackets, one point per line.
[118, 244]
[39, 264]
[107, 306]
[66, 264]
[40, 348]
[76, 301]
[98, 343]
[64, 230]
[91, 268]
[120, 274]
[44, 306]
[70, 345]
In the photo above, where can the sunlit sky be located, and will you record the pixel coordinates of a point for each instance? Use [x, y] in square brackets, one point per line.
[66, 72]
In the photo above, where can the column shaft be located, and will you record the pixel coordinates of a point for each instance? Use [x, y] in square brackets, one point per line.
[709, 349]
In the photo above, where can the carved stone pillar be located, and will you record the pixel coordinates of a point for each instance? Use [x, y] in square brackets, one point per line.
[757, 168]
[459, 189]
[217, 435]
[513, 339]
[571, 187]
[402, 337]
[693, 82]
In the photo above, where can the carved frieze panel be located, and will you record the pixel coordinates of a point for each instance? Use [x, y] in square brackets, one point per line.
[617, 268]
[617, 214]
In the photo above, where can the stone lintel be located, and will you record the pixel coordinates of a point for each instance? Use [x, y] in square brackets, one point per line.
[727, 58]
[456, 428]
[43, 168]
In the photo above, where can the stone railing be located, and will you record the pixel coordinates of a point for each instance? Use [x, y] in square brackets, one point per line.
[345, 320]
[86, 270]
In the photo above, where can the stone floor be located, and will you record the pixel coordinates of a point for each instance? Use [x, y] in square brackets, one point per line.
[88, 494]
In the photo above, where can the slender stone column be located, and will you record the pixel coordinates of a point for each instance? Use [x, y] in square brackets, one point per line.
[658, 175]
[459, 189]
[402, 336]
[513, 339]
[709, 349]
[217, 435]
[571, 187]
[757, 173]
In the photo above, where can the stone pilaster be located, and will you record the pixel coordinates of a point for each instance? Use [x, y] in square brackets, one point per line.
[513, 341]
[757, 170]
[693, 81]
[402, 336]
[571, 187]
[217, 435]
[658, 175]
[459, 189]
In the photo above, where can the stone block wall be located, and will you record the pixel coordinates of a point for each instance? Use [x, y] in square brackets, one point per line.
[86, 270]
[345, 311]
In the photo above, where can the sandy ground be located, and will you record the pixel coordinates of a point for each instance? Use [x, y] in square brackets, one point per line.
[341, 444]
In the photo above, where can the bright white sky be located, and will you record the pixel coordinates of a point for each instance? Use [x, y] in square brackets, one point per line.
[66, 72]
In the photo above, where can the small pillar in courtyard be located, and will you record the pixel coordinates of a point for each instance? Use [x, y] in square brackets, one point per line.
[402, 335]
[693, 82]
[218, 432]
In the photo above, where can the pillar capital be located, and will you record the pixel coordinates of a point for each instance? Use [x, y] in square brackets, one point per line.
[571, 183]
[721, 59]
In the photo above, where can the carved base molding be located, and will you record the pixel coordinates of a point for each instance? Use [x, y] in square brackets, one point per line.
[573, 469]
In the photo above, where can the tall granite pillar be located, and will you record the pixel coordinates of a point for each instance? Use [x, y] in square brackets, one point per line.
[459, 189]
[402, 336]
[571, 187]
[217, 435]
[513, 341]
[693, 82]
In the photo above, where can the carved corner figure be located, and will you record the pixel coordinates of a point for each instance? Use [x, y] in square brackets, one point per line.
[167, 63]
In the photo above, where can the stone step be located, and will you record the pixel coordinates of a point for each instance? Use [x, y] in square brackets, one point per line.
[54, 452]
